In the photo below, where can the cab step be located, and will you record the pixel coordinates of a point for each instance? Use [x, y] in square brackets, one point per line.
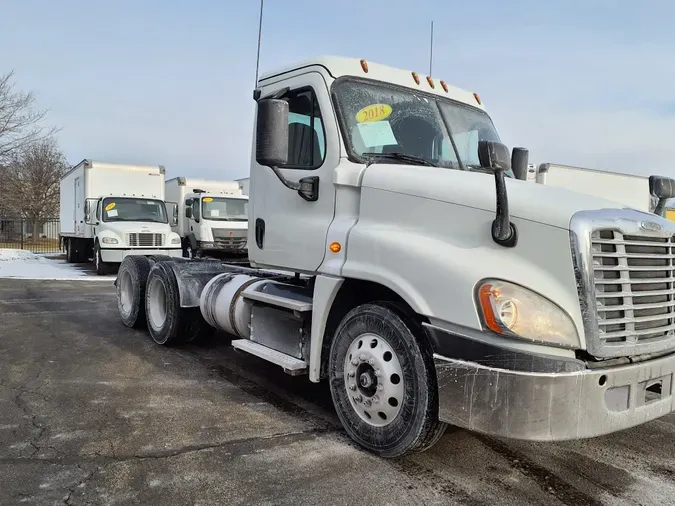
[279, 301]
[290, 365]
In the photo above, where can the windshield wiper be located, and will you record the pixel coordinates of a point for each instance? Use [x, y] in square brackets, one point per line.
[418, 160]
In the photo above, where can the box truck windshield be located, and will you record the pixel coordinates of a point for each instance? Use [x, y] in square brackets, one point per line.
[386, 123]
[134, 209]
[224, 209]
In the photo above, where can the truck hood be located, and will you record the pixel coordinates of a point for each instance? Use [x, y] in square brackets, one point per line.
[127, 227]
[527, 200]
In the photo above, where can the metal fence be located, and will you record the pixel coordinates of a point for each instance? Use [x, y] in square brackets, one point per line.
[38, 236]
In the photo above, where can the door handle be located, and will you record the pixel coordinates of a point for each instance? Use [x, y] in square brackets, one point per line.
[259, 232]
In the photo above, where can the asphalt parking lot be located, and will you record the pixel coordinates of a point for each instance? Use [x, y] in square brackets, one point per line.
[94, 413]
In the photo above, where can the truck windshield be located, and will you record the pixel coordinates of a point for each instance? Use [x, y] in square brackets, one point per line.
[133, 209]
[224, 209]
[392, 124]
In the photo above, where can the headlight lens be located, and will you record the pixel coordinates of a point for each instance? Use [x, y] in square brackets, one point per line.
[175, 240]
[513, 311]
[109, 240]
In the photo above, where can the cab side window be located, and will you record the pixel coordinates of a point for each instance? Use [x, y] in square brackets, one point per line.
[306, 137]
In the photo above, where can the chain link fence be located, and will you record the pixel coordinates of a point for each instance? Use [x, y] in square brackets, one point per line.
[37, 236]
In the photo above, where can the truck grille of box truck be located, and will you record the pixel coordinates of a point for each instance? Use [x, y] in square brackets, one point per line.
[145, 240]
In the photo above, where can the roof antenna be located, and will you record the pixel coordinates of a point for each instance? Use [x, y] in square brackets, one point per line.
[431, 49]
[257, 60]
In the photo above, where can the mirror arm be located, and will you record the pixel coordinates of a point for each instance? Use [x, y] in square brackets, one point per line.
[504, 232]
[660, 207]
[291, 185]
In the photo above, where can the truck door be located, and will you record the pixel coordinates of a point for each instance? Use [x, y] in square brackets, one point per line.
[285, 230]
[79, 208]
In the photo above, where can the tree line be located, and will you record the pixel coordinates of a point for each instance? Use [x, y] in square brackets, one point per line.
[31, 163]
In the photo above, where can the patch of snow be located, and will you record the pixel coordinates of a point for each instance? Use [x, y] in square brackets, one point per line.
[22, 264]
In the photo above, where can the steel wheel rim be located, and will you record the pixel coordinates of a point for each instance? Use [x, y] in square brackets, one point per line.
[374, 380]
[157, 303]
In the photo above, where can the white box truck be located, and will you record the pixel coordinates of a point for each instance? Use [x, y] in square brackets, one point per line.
[628, 189]
[109, 211]
[422, 280]
[212, 216]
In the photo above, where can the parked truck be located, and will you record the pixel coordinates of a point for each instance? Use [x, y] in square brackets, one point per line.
[109, 211]
[212, 216]
[628, 189]
[394, 255]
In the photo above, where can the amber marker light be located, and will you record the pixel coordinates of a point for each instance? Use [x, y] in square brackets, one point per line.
[364, 66]
[444, 86]
[430, 81]
[335, 247]
[416, 77]
[475, 95]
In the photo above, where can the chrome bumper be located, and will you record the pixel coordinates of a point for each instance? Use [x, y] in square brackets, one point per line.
[553, 406]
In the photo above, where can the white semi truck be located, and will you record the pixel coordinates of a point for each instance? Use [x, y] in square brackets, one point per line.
[109, 211]
[422, 280]
[212, 216]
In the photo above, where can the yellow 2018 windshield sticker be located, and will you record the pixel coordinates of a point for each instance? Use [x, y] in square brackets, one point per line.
[110, 206]
[375, 112]
[207, 199]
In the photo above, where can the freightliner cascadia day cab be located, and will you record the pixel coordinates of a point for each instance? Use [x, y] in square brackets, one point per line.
[212, 216]
[394, 254]
[109, 211]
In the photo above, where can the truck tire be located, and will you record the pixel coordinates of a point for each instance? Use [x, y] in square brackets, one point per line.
[383, 382]
[101, 266]
[168, 323]
[159, 258]
[70, 251]
[131, 281]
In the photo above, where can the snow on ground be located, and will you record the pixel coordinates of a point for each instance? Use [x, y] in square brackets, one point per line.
[15, 263]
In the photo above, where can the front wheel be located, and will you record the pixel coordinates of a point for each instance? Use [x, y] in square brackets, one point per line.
[383, 382]
[101, 266]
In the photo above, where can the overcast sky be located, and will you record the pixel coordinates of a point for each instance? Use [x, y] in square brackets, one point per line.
[170, 82]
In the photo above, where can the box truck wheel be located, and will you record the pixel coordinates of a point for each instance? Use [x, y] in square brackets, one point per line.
[131, 281]
[169, 323]
[101, 266]
[383, 382]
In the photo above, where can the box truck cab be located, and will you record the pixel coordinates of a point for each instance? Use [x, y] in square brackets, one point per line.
[212, 216]
[109, 211]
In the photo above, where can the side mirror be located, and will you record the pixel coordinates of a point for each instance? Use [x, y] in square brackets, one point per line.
[174, 213]
[663, 188]
[188, 212]
[519, 161]
[495, 156]
[89, 213]
[271, 135]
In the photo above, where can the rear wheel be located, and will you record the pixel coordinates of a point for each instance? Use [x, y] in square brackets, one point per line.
[169, 323]
[383, 382]
[131, 281]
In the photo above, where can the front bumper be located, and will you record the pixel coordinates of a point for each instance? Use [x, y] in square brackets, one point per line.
[553, 406]
[117, 255]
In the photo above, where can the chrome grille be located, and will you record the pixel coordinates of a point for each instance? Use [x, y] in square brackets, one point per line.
[633, 278]
[145, 240]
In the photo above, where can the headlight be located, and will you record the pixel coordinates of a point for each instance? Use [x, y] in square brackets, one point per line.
[109, 240]
[513, 311]
[175, 240]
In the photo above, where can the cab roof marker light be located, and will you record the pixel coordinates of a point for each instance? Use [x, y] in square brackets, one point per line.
[415, 77]
[431, 82]
[364, 66]
[444, 86]
[475, 95]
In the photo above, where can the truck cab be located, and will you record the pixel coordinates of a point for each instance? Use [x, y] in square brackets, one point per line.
[212, 216]
[123, 225]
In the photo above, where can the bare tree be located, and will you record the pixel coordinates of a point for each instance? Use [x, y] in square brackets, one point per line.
[20, 123]
[32, 182]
